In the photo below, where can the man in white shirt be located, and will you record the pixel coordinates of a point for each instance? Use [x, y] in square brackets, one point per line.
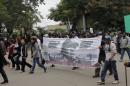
[110, 50]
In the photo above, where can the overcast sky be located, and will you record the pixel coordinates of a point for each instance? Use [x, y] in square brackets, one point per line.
[44, 9]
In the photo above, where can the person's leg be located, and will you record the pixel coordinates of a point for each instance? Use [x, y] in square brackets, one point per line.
[40, 65]
[122, 53]
[17, 63]
[128, 51]
[3, 75]
[104, 71]
[23, 65]
[13, 62]
[114, 68]
[34, 64]
[110, 68]
[27, 64]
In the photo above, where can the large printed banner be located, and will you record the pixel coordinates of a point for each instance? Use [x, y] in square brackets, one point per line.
[81, 52]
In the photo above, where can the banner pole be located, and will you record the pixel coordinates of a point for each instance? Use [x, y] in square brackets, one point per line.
[126, 76]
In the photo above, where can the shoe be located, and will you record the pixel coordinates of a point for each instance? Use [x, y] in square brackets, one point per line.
[4, 82]
[115, 82]
[52, 65]
[96, 76]
[101, 83]
[23, 70]
[31, 72]
[74, 68]
[17, 69]
[45, 70]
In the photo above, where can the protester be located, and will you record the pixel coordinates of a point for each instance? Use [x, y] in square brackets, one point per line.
[24, 55]
[101, 59]
[11, 53]
[17, 53]
[124, 46]
[36, 55]
[2, 63]
[110, 50]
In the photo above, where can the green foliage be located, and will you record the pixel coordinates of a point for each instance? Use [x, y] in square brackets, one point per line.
[19, 14]
[101, 13]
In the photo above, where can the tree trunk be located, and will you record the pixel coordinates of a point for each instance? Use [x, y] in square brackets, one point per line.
[75, 21]
[84, 23]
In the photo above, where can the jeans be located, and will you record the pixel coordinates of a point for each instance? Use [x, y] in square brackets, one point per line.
[123, 52]
[106, 67]
[36, 61]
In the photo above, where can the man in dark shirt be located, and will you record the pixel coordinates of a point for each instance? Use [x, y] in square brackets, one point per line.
[2, 63]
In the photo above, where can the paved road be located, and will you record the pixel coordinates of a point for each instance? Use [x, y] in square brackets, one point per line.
[61, 76]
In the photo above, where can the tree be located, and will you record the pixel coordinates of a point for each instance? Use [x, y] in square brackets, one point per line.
[69, 10]
[102, 13]
[18, 14]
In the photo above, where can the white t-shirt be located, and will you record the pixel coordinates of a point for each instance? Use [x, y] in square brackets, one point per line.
[39, 44]
[109, 50]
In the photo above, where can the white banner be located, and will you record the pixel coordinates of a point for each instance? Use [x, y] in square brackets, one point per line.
[81, 52]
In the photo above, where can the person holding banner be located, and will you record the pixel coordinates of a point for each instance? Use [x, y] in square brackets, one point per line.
[110, 50]
[101, 59]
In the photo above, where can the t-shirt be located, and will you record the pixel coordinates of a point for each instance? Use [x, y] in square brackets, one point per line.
[39, 44]
[124, 42]
[109, 50]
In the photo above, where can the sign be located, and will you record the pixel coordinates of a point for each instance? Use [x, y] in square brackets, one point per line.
[82, 52]
[127, 23]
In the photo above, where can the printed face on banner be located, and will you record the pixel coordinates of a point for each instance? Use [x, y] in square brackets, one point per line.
[83, 52]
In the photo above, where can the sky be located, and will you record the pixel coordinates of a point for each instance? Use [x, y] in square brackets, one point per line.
[44, 10]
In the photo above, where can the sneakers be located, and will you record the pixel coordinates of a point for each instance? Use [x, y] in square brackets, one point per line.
[115, 82]
[101, 83]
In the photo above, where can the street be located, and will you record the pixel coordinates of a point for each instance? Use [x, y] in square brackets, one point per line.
[62, 76]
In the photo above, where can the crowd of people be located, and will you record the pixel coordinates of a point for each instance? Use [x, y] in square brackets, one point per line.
[18, 49]
[112, 43]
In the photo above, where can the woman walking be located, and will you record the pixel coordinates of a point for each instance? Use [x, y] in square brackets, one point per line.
[36, 55]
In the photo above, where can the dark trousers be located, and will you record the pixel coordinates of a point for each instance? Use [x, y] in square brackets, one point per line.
[3, 74]
[18, 63]
[24, 63]
[13, 62]
[36, 61]
[118, 48]
[106, 67]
